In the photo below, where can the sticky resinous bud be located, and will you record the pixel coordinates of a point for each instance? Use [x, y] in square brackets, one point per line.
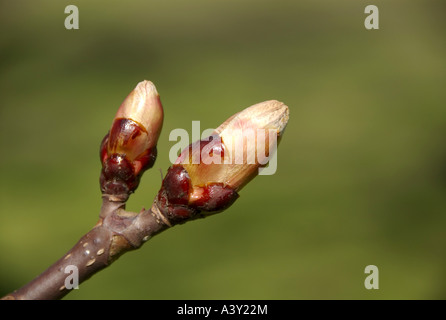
[208, 175]
[130, 146]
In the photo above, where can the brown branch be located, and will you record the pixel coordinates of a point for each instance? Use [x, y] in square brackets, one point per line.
[116, 232]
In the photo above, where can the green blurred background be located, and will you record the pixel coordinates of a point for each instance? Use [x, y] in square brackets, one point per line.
[361, 173]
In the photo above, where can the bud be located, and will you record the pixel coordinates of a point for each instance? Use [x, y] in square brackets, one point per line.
[209, 173]
[130, 147]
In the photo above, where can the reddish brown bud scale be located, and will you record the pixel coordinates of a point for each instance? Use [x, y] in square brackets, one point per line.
[178, 200]
[145, 161]
[182, 212]
[119, 167]
[213, 197]
[117, 175]
[103, 149]
[210, 198]
[175, 213]
[177, 185]
[114, 186]
[124, 136]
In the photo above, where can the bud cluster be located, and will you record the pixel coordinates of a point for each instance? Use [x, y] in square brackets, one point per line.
[208, 174]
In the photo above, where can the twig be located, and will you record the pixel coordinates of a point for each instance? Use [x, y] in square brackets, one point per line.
[116, 232]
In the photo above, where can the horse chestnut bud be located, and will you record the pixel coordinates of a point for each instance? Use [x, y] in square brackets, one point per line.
[130, 146]
[208, 174]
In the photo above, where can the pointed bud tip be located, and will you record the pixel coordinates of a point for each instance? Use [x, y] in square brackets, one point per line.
[271, 114]
[147, 87]
[143, 105]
